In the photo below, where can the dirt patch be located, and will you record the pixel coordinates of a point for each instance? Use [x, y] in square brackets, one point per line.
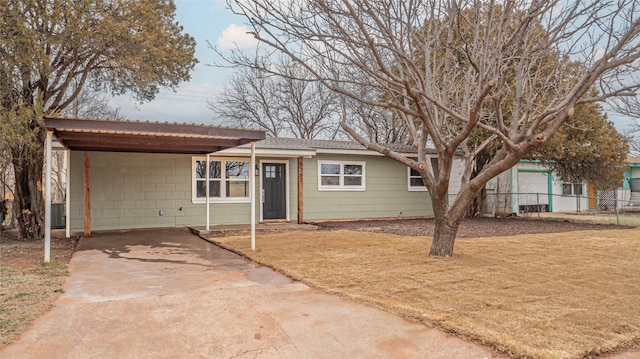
[470, 227]
[29, 288]
[549, 295]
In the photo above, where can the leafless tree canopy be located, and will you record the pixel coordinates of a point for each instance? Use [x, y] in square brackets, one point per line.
[512, 71]
[375, 124]
[92, 103]
[283, 106]
[630, 107]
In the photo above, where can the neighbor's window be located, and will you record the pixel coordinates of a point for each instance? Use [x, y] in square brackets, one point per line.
[415, 180]
[235, 185]
[572, 189]
[341, 176]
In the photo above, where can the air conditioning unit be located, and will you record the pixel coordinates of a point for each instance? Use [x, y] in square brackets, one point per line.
[58, 216]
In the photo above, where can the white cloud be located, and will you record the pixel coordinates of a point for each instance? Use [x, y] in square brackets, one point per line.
[235, 36]
[597, 54]
[220, 4]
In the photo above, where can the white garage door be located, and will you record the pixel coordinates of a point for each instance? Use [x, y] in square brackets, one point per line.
[533, 188]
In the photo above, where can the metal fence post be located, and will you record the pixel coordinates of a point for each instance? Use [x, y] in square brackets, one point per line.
[495, 202]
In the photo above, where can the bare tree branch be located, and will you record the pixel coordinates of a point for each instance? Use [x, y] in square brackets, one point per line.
[282, 105]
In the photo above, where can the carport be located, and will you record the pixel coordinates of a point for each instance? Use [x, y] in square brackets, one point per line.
[138, 137]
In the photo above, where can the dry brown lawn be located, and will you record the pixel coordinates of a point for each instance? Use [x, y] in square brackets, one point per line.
[28, 288]
[559, 295]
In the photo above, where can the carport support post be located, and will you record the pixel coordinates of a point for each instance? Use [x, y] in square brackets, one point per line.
[252, 189]
[47, 200]
[208, 202]
[87, 194]
[67, 195]
[300, 190]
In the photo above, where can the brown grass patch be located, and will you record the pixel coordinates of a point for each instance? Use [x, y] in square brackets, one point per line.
[28, 288]
[560, 295]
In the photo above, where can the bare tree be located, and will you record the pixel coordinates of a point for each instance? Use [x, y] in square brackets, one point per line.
[376, 124]
[91, 103]
[512, 70]
[283, 106]
[630, 107]
[632, 134]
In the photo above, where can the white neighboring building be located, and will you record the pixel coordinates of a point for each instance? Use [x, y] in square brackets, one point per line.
[624, 193]
[530, 186]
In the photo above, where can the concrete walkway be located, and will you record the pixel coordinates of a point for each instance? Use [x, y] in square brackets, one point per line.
[169, 294]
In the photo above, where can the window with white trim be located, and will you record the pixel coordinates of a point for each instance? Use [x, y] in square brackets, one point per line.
[415, 181]
[571, 189]
[341, 176]
[228, 180]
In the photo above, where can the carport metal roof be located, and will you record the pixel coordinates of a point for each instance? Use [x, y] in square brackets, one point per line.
[148, 137]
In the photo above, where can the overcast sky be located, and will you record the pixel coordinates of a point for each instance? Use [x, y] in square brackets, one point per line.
[209, 21]
[205, 20]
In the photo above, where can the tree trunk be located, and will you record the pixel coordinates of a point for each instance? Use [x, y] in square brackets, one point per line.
[447, 221]
[446, 227]
[444, 238]
[477, 205]
[29, 201]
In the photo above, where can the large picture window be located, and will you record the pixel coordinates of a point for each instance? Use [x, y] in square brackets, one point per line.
[341, 176]
[228, 180]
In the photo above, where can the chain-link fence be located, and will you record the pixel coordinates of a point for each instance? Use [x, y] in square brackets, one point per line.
[614, 206]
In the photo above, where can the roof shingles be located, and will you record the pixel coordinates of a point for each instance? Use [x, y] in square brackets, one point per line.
[281, 143]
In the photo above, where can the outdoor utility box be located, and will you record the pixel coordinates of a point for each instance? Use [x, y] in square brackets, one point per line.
[58, 218]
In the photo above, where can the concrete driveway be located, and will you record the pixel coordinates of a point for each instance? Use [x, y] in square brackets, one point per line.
[166, 293]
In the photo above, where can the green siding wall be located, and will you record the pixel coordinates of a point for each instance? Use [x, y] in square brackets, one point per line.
[128, 190]
[386, 193]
